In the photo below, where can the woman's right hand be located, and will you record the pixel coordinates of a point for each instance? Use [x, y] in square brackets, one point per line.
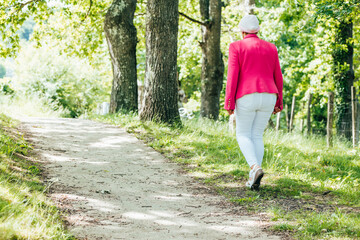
[276, 110]
[230, 111]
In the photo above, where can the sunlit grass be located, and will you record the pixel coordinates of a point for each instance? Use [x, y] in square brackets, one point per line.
[313, 225]
[25, 211]
[304, 179]
[26, 106]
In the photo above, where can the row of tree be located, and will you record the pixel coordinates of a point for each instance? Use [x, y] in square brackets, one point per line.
[314, 39]
[161, 86]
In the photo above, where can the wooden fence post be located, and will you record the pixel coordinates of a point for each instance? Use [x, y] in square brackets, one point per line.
[271, 123]
[330, 118]
[357, 120]
[278, 121]
[308, 122]
[287, 116]
[292, 114]
[353, 116]
[302, 120]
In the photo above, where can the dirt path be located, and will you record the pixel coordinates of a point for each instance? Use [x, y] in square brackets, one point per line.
[112, 186]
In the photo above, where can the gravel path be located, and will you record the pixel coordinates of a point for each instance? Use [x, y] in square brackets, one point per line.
[110, 185]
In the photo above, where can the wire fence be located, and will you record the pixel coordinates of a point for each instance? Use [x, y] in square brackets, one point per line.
[343, 120]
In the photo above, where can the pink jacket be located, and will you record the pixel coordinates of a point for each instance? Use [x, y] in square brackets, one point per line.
[253, 67]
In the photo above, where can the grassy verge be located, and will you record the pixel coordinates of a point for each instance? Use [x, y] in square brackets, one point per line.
[308, 191]
[25, 212]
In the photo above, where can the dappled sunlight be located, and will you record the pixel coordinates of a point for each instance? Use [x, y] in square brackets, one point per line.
[60, 158]
[186, 222]
[233, 229]
[112, 141]
[172, 197]
[166, 223]
[94, 203]
[139, 216]
[237, 184]
[170, 182]
[162, 214]
[26, 106]
[181, 220]
[139, 189]
[101, 205]
[198, 174]
[94, 163]
[56, 158]
[105, 180]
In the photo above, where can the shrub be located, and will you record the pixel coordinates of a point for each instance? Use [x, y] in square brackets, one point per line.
[67, 83]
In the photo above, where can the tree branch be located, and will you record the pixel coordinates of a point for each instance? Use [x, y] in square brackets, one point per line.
[140, 14]
[22, 5]
[193, 20]
[88, 12]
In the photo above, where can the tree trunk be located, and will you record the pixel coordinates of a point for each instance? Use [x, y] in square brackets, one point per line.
[121, 37]
[250, 6]
[212, 70]
[343, 76]
[161, 87]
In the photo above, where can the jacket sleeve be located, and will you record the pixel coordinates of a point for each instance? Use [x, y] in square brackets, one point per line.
[232, 78]
[278, 82]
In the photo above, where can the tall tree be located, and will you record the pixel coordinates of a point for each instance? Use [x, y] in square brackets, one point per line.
[212, 63]
[249, 6]
[161, 86]
[121, 38]
[343, 75]
[342, 13]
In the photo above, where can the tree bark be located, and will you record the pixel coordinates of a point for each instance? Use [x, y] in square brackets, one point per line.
[161, 87]
[330, 117]
[121, 37]
[343, 76]
[212, 70]
[250, 6]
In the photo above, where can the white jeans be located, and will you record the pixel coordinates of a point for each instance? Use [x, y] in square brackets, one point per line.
[253, 112]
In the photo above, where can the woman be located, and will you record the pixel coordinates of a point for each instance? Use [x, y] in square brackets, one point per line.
[254, 88]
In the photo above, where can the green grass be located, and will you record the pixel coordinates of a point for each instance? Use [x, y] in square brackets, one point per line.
[310, 191]
[25, 211]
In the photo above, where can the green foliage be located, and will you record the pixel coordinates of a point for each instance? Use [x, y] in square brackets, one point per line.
[302, 30]
[12, 17]
[139, 22]
[337, 9]
[189, 50]
[304, 42]
[344, 15]
[25, 212]
[312, 187]
[66, 83]
[69, 21]
[6, 87]
[304, 46]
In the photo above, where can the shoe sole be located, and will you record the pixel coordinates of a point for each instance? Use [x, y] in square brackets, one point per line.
[259, 175]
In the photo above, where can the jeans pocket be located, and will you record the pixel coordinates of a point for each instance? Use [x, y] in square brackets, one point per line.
[268, 101]
[245, 101]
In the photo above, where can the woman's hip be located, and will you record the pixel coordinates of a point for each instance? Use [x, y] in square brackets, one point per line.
[257, 101]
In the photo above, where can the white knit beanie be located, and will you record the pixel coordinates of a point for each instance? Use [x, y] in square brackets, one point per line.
[249, 24]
